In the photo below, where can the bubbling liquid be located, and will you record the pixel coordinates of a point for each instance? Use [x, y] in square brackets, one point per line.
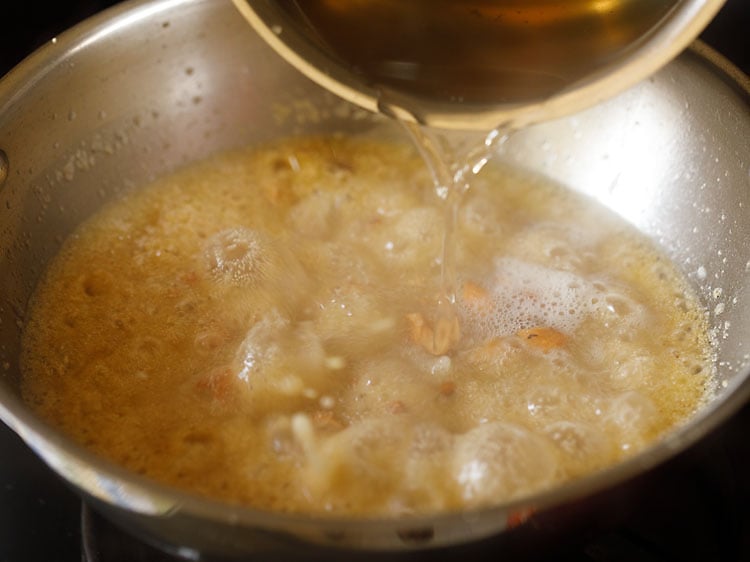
[260, 328]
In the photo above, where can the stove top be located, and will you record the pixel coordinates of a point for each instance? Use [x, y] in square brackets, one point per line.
[692, 508]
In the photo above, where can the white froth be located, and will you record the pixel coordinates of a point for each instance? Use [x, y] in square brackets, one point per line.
[524, 295]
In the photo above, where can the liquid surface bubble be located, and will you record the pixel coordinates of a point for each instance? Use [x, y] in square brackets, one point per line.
[580, 443]
[237, 256]
[258, 349]
[425, 467]
[632, 414]
[499, 459]
[416, 233]
[357, 460]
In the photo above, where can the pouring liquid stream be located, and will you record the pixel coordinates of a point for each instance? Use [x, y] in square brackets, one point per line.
[453, 162]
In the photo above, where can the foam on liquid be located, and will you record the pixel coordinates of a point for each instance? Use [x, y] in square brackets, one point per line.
[258, 332]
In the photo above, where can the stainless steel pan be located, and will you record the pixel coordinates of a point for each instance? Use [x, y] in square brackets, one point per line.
[148, 86]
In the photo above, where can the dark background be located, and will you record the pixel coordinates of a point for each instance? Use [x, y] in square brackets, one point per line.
[39, 515]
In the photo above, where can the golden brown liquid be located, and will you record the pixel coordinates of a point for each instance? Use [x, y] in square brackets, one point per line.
[481, 51]
[255, 329]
